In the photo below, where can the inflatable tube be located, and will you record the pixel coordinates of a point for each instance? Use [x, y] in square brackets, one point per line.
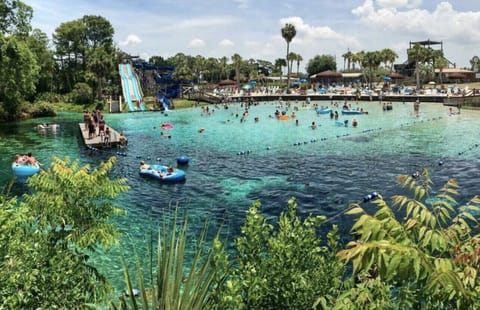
[159, 172]
[23, 171]
[48, 126]
[166, 126]
[324, 111]
[283, 117]
[351, 112]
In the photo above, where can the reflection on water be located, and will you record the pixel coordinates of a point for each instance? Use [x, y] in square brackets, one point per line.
[234, 163]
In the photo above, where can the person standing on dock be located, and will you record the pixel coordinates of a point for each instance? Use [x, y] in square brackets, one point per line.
[91, 128]
[106, 139]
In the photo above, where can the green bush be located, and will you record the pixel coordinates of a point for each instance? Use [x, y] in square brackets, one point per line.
[50, 97]
[41, 109]
[285, 267]
[82, 94]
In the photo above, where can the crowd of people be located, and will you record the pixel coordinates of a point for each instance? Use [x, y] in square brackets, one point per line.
[96, 127]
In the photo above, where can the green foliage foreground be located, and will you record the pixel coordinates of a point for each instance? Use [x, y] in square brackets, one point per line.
[46, 236]
[422, 252]
[427, 259]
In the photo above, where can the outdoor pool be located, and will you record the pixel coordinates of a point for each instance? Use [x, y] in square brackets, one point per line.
[234, 163]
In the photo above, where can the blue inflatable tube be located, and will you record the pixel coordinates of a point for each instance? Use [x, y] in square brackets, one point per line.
[324, 111]
[23, 171]
[351, 112]
[159, 172]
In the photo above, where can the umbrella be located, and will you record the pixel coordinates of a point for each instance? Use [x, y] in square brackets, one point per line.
[387, 78]
[303, 80]
[431, 83]
[247, 86]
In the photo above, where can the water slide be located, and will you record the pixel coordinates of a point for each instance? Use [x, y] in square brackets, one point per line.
[130, 88]
[164, 101]
[136, 86]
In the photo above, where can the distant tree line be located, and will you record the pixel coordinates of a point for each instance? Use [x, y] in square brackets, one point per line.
[80, 64]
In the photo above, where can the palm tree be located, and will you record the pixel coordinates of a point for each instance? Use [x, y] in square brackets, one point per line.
[299, 60]
[290, 59]
[388, 57]
[288, 33]
[475, 62]
[357, 58]
[237, 62]
[371, 61]
[417, 54]
[347, 57]
[279, 64]
[440, 63]
[223, 67]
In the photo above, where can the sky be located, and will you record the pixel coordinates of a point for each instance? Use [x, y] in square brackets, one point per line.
[252, 28]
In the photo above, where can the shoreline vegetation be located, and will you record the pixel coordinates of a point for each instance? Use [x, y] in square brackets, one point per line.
[45, 109]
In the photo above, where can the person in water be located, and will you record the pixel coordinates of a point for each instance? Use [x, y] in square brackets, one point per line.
[143, 165]
[122, 139]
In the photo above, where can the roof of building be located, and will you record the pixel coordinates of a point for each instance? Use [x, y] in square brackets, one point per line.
[454, 70]
[352, 75]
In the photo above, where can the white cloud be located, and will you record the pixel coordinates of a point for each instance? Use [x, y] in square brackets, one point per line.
[242, 4]
[399, 3]
[443, 23]
[196, 43]
[131, 40]
[207, 21]
[226, 43]
[308, 34]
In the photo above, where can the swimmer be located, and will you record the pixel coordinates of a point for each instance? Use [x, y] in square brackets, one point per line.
[201, 130]
[143, 165]
[354, 122]
[313, 126]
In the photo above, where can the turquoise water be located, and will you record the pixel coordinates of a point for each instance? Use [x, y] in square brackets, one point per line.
[234, 163]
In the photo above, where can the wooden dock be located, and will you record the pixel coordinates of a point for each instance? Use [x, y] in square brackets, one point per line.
[98, 141]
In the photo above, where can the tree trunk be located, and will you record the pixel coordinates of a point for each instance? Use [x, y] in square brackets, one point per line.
[288, 69]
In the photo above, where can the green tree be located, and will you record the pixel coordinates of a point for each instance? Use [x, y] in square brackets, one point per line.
[237, 63]
[418, 54]
[38, 44]
[19, 71]
[475, 63]
[370, 63]
[79, 47]
[285, 267]
[279, 64]
[15, 17]
[100, 65]
[428, 258]
[357, 58]
[347, 58]
[321, 63]
[298, 59]
[440, 64]
[288, 33]
[388, 57]
[46, 237]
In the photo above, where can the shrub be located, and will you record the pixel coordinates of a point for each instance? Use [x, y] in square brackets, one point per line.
[428, 259]
[82, 94]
